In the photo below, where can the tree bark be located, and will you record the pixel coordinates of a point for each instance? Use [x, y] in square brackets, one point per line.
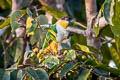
[91, 12]
[55, 4]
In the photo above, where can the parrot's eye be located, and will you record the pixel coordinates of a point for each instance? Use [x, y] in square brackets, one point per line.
[71, 22]
[68, 19]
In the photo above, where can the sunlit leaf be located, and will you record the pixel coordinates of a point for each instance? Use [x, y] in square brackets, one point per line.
[52, 47]
[51, 31]
[29, 23]
[70, 55]
[31, 26]
[83, 48]
[50, 62]
[115, 56]
[5, 23]
[117, 41]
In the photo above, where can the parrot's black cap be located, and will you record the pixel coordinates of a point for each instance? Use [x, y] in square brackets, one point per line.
[69, 19]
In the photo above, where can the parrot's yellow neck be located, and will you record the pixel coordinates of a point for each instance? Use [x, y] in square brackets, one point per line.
[63, 23]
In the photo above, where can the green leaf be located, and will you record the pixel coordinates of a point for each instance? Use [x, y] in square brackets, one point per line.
[51, 31]
[42, 19]
[6, 75]
[5, 23]
[15, 18]
[38, 38]
[50, 62]
[115, 56]
[55, 68]
[102, 78]
[13, 75]
[27, 54]
[84, 74]
[82, 48]
[101, 72]
[2, 71]
[117, 41]
[31, 30]
[38, 74]
[29, 12]
[27, 77]
[96, 29]
[55, 13]
[116, 19]
[19, 75]
[67, 68]
[96, 25]
[109, 10]
[106, 54]
[70, 55]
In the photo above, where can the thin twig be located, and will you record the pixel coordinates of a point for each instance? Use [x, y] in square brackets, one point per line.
[76, 30]
[78, 23]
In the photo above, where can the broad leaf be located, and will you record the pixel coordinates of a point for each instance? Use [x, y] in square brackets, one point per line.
[6, 75]
[13, 75]
[84, 74]
[27, 54]
[27, 77]
[67, 68]
[42, 19]
[112, 15]
[2, 71]
[109, 10]
[38, 74]
[50, 62]
[115, 56]
[70, 55]
[83, 48]
[19, 75]
[117, 41]
[29, 12]
[5, 23]
[15, 17]
[31, 26]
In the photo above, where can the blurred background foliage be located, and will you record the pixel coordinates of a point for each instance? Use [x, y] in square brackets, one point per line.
[75, 63]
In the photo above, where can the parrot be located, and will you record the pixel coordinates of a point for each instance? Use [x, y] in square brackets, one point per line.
[57, 34]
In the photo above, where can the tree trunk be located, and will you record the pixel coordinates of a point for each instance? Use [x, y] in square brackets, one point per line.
[91, 12]
[92, 40]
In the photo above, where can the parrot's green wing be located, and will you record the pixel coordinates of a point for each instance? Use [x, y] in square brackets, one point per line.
[48, 36]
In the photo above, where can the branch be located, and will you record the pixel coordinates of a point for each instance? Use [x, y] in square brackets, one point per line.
[91, 12]
[76, 30]
[78, 23]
